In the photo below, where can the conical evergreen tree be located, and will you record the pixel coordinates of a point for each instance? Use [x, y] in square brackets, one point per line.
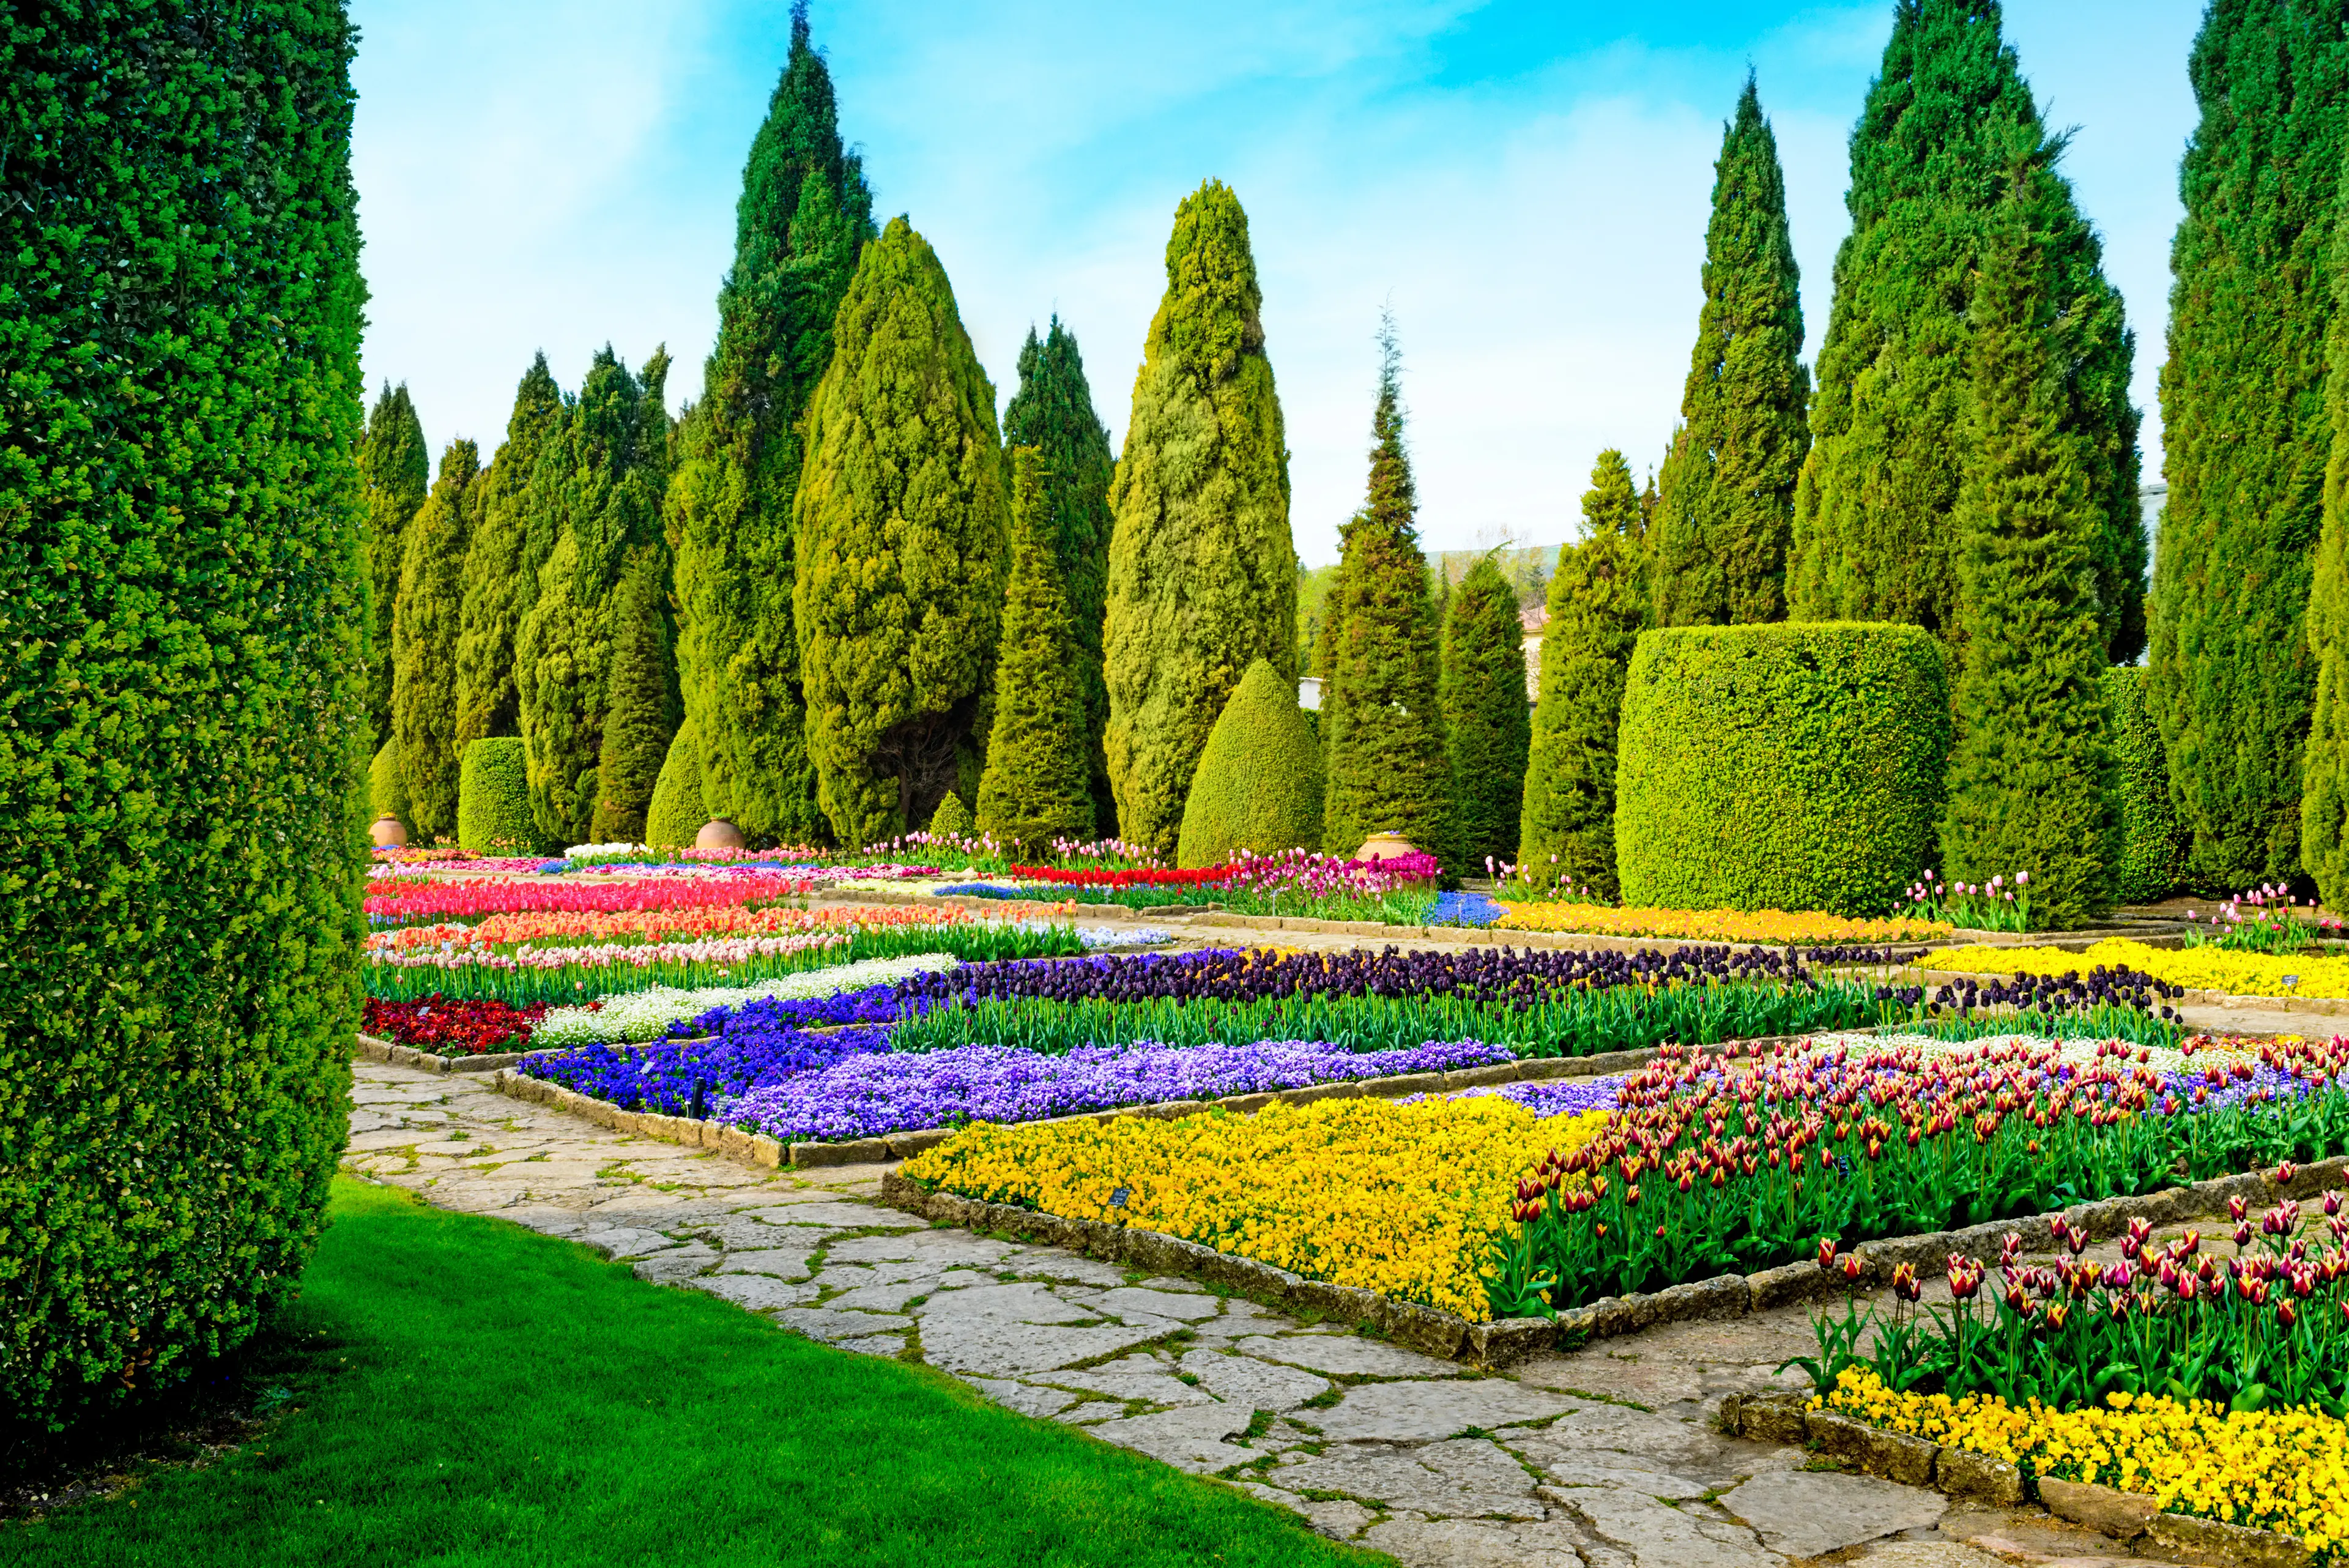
[1487, 727]
[1725, 507]
[902, 537]
[1928, 166]
[1381, 723]
[2031, 785]
[1054, 413]
[500, 582]
[1039, 781]
[804, 215]
[2324, 769]
[597, 494]
[2246, 433]
[395, 467]
[424, 642]
[1202, 572]
[642, 709]
[1598, 607]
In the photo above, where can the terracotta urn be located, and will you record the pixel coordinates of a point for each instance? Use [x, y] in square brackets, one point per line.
[719, 834]
[388, 833]
[1385, 847]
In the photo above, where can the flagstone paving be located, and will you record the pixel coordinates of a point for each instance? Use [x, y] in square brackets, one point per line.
[1605, 1458]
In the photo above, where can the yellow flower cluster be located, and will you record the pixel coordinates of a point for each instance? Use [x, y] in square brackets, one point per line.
[2200, 969]
[1397, 1198]
[1717, 925]
[2275, 1469]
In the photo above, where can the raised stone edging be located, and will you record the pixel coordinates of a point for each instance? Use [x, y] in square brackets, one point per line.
[1786, 1417]
[410, 1056]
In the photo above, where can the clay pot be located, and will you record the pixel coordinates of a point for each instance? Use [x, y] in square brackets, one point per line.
[1385, 847]
[388, 833]
[719, 834]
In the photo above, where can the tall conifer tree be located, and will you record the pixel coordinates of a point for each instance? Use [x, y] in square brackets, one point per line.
[1487, 728]
[499, 583]
[2246, 430]
[395, 467]
[1039, 756]
[2031, 785]
[424, 629]
[1201, 571]
[903, 532]
[641, 708]
[1054, 413]
[804, 215]
[1598, 607]
[1382, 722]
[1726, 508]
[1928, 166]
[2324, 769]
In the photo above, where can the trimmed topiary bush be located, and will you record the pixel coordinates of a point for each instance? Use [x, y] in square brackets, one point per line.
[1788, 767]
[951, 817]
[1259, 787]
[678, 813]
[2153, 844]
[387, 786]
[494, 815]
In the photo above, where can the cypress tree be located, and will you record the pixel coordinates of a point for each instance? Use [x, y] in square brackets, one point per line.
[395, 467]
[803, 215]
[1038, 778]
[641, 710]
[501, 582]
[2247, 428]
[1202, 573]
[902, 537]
[1487, 726]
[2030, 786]
[1930, 163]
[1381, 723]
[424, 632]
[1054, 413]
[2324, 769]
[595, 492]
[1725, 506]
[1598, 607]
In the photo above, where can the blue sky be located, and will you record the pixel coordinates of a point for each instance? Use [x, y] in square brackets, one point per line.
[1524, 181]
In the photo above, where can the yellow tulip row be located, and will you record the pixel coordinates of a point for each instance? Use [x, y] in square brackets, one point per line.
[2199, 969]
[1716, 925]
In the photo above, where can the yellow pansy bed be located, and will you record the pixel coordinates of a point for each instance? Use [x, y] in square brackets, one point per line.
[1716, 925]
[1397, 1198]
[2274, 1469]
[2198, 968]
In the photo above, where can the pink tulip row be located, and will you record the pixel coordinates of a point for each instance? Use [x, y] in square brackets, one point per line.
[471, 899]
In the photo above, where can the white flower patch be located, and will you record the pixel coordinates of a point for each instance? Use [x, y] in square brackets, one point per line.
[639, 1015]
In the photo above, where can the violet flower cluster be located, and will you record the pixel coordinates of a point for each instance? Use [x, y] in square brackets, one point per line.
[768, 1015]
[680, 1079]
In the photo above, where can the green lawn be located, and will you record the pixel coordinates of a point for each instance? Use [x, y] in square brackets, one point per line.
[468, 1391]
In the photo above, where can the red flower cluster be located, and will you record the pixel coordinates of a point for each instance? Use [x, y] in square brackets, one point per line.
[453, 1028]
[1090, 876]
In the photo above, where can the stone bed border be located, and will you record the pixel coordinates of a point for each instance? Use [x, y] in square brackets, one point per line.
[1965, 1474]
[1500, 1343]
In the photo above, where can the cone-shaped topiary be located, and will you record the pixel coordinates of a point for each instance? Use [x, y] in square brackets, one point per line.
[1598, 607]
[1487, 727]
[1038, 783]
[2030, 782]
[494, 814]
[678, 813]
[501, 580]
[387, 786]
[2153, 849]
[1259, 779]
[1202, 573]
[1725, 500]
[952, 818]
[1054, 413]
[188, 661]
[395, 466]
[424, 632]
[902, 542]
[641, 708]
[804, 213]
[1381, 723]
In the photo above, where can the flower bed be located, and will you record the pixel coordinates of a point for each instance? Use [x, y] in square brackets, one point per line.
[647, 1016]
[688, 922]
[2203, 968]
[465, 900]
[452, 1028]
[1397, 1199]
[1776, 926]
[2275, 1469]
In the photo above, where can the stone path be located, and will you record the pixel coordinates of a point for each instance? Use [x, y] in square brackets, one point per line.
[1604, 1458]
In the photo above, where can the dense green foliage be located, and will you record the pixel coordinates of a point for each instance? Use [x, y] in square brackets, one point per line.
[902, 542]
[677, 814]
[501, 581]
[1202, 573]
[1487, 727]
[952, 818]
[2030, 784]
[394, 469]
[2153, 849]
[2324, 766]
[2247, 430]
[1947, 120]
[1725, 500]
[804, 215]
[596, 493]
[641, 706]
[1054, 413]
[183, 593]
[494, 814]
[387, 786]
[1258, 783]
[1382, 721]
[1598, 603]
[1039, 781]
[424, 633]
[1788, 767]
